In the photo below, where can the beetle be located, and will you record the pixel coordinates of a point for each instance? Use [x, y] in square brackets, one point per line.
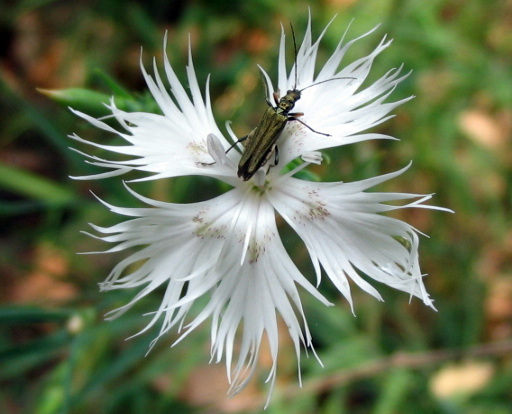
[261, 142]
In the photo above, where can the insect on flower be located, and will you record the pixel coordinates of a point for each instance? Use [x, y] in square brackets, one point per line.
[261, 142]
[222, 259]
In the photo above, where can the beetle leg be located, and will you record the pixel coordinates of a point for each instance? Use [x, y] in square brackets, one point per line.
[276, 155]
[266, 94]
[292, 117]
[276, 96]
[275, 152]
[229, 149]
[238, 141]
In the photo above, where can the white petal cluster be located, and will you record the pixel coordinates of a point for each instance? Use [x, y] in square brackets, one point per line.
[227, 251]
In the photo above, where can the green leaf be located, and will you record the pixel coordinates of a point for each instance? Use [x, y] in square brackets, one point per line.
[95, 103]
[30, 185]
[394, 391]
[19, 358]
[84, 100]
[17, 315]
[117, 89]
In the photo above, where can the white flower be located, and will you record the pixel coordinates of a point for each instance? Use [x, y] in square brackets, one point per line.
[227, 250]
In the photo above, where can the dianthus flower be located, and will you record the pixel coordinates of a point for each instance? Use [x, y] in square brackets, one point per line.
[228, 249]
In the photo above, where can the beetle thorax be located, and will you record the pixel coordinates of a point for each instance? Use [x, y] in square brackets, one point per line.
[287, 102]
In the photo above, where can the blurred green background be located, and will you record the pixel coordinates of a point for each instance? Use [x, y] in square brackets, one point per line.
[57, 355]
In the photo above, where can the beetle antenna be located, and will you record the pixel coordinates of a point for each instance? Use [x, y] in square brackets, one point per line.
[295, 50]
[327, 80]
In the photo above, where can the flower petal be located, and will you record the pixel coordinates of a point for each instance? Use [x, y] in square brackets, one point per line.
[168, 145]
[336, 110]
[344, 232]
[195, 250]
